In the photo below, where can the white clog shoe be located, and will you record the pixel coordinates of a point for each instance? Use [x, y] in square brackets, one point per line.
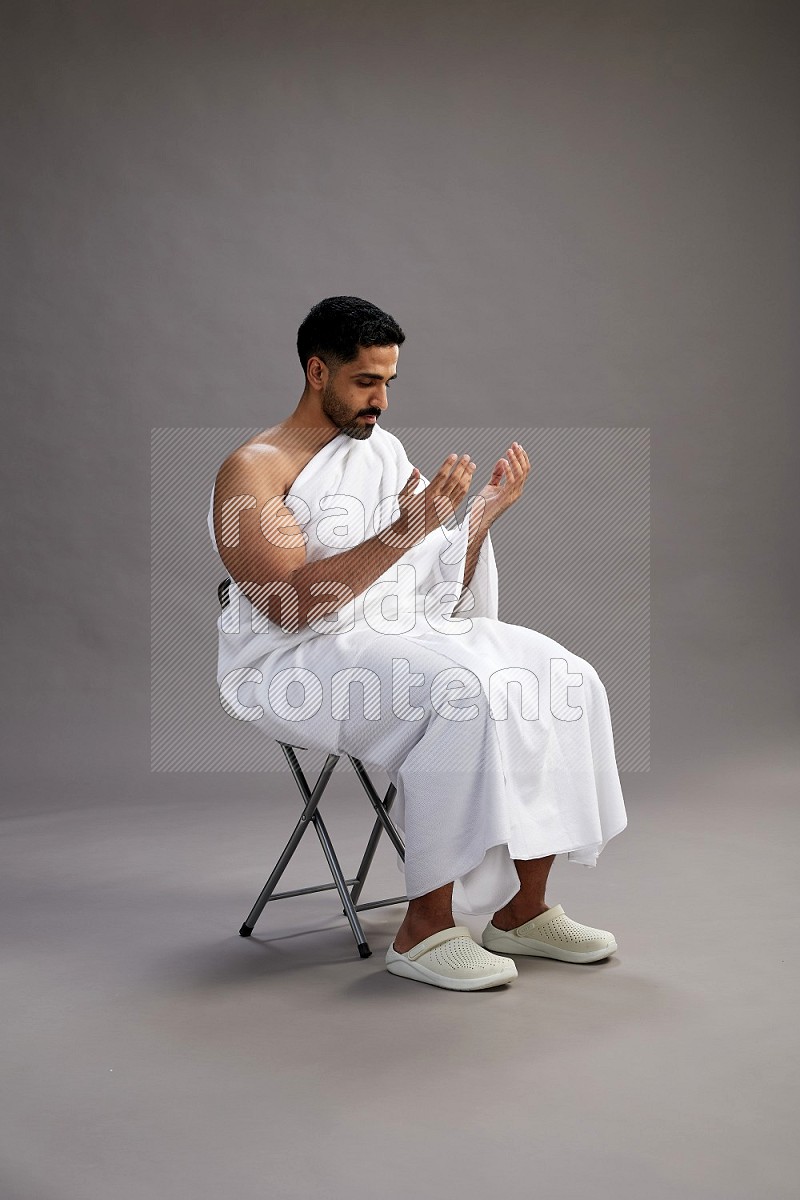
[552, 935]
[452, 959]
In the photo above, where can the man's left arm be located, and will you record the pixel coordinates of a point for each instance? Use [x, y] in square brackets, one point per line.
[478, 528]
[503, 489]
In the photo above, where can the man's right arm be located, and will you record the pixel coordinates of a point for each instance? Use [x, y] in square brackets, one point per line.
[263, 547]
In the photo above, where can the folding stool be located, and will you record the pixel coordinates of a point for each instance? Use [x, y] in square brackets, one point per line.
[349, 889]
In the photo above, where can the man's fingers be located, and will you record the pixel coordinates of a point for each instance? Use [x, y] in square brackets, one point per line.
[458, 484]
[519, 463]
[451, 469]
[520, 455]
[463, 468]
[445, 468]
[449, 485]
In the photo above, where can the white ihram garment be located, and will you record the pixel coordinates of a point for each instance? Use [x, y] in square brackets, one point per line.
[480, 779]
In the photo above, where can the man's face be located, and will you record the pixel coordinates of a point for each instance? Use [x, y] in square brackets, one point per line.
[359, 389]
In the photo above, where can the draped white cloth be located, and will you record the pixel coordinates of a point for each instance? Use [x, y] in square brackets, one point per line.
[498, 739]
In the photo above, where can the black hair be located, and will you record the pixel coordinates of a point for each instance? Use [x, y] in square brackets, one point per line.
[336, 328]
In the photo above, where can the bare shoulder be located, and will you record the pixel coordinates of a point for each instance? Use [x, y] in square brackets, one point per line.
[249, 495]
[259, 464]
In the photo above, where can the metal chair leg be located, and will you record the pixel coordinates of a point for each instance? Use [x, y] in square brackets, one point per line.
[336, 871]
[382, 823]
[381, 806]
[312, 799]
[349, 889]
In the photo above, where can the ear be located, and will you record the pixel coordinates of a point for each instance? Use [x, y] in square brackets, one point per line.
[316, 372]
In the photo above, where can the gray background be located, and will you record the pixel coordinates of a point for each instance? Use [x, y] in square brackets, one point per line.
[583, 214]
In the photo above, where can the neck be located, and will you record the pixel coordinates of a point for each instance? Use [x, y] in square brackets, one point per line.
[309, 423]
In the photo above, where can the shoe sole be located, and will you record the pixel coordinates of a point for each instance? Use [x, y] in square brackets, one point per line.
[409, 970]
[542, 950]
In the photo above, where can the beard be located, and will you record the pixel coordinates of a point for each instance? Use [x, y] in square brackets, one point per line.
[337, 411]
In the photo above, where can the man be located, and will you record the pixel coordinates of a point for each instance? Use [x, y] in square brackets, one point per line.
[488, 794]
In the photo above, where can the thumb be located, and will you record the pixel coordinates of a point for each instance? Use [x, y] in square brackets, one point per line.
[412, 479]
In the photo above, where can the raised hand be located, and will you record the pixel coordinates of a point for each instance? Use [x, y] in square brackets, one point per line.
[506, 484]
[422, 512]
